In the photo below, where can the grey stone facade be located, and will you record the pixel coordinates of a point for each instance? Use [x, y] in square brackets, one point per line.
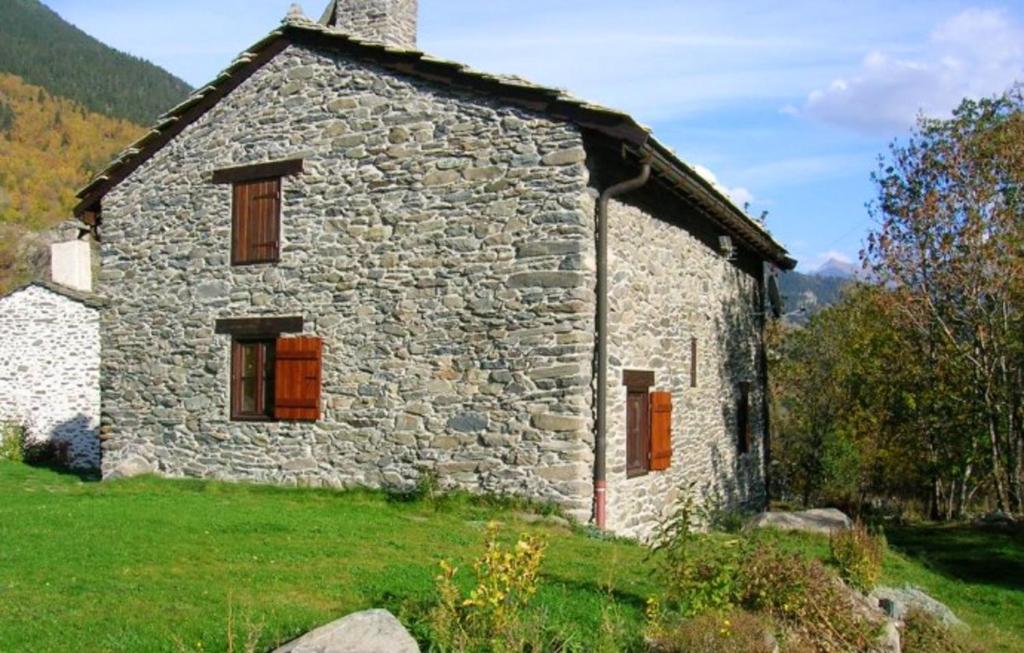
[439, 244]
[50, 367]
[441, 241]
[392, 22]
[666, 288]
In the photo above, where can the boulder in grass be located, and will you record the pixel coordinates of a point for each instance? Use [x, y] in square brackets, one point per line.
[819, 520]
[372, 631]
[907, 597]
[130, 468]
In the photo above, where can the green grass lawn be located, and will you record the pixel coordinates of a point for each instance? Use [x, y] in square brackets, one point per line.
[157, 565]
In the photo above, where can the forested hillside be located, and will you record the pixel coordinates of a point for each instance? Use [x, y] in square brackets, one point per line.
[49, 147]
[807, 294]
[40, 47]
[68, 103]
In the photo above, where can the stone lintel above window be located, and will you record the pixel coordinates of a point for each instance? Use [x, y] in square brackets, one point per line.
[251, 172]
[254, 327]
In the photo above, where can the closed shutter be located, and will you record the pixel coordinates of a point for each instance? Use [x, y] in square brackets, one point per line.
[661, 430]
[297, 379]
[256, 224]
[638, 429]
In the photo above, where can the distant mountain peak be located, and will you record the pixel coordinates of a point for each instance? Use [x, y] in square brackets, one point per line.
[838, 269]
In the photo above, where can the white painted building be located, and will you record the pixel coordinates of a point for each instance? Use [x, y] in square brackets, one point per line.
[50, 358]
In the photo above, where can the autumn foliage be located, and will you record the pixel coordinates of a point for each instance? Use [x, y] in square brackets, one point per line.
[908, 392]
[49, 147]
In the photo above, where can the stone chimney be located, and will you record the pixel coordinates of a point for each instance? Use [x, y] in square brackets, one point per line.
[71, 264]
[392, 22]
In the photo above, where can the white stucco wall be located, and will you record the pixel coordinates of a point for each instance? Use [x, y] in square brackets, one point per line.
[50, 370]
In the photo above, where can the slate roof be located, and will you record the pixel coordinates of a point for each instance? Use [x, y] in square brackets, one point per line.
[512, 90]
[87, 298]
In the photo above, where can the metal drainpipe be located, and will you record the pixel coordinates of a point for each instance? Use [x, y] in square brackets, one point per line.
[601, 443]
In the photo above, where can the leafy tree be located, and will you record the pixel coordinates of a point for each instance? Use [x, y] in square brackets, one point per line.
[866, 412]
[950, 238]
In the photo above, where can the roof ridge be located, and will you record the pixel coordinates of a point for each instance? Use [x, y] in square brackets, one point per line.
[615, 123]
[90, 299]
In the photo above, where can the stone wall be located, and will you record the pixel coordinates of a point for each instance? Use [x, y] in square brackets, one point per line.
[49, 370]
[440, 244]
[393, 22]
[666, 288]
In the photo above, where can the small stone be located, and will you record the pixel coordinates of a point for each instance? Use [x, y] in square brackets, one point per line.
[468, 422]
[557, 372]
[342, 104]
[557, 423]
[213, 290]
[481, 174]
[561, 279]
[565, 157]
[548, 248]
[440, 178]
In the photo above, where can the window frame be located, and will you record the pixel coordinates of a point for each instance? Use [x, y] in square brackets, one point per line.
[264, 379]
[744, 435]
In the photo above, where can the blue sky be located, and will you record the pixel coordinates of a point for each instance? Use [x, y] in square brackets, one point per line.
[786, 104]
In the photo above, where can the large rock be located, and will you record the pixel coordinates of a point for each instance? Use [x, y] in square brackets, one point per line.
[372, 631]
[129, 468]
[819, 520]
[907, 597]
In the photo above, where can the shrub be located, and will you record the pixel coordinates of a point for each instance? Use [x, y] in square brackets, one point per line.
[807, 599]
[493, 615]
[45, 453]
[858, 554]
[733, 632]
[700, 573]
[924, 633]
[713, 574]
[12, 442]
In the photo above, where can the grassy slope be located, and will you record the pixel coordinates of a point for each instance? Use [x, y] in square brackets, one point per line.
[131, 566]
[978, 574]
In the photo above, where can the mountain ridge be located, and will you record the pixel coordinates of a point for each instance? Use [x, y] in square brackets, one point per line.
[42, 48]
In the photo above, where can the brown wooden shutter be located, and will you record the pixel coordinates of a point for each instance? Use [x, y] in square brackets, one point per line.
[661, 430]
[638, 428]
[256, 223]
[297, 379]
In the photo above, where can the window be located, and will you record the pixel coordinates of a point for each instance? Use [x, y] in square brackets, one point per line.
[256, 209]
[276, 379]
[256, 222]
[693, 362]
[252, 379]
[648, 425]
[743, 436]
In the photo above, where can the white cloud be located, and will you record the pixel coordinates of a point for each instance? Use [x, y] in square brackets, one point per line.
[739, 195]
[973, 54]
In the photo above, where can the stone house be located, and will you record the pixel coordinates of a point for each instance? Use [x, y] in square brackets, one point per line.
[50, 358]
[345, 262]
